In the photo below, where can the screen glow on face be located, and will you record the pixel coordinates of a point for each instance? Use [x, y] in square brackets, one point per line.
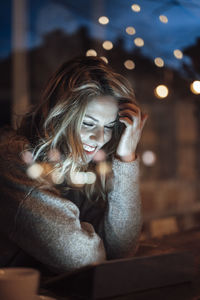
[97, 125]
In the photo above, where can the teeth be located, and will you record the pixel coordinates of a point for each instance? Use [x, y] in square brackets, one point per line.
[88, 148]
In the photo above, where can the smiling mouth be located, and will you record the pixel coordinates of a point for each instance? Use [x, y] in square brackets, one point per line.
[89, 149]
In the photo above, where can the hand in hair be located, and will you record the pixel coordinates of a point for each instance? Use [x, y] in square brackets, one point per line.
[134, 120]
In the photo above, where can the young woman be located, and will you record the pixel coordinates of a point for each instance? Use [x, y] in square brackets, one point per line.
[69, 193]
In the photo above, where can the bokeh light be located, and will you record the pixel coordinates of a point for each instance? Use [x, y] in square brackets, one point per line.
[163, 19]
[91, 52]
[129, 64]
[90, 177]
[81, 178]
[103, 168]
[161, 91]
[103, 20]
[135, 7]
[149, 158]
[54, 155]
[34, 171]
[100, 155]
[139, 42]
[159, 62]
[178, 54]
[130, 30]
[78, 178]
[56, 177]
[195, 87]
[107, 45]
[27, 157]
[104, 59]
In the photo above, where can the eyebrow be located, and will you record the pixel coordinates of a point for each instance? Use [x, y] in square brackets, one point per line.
[87, 116]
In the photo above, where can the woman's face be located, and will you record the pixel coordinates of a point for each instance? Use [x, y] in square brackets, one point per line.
[97, 125]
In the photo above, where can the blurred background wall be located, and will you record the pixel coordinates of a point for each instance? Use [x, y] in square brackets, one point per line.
[152, 43]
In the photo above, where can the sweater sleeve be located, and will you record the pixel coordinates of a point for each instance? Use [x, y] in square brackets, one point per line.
[121, 225]
[43, 224]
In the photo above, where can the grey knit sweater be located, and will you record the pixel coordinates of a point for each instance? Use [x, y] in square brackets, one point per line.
[64, 231]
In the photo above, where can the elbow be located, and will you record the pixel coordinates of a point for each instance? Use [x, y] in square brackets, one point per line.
[80, 251]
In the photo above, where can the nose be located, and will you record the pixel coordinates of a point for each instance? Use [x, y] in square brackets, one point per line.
[98, 135]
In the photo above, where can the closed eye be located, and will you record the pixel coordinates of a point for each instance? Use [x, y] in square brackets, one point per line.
[88, 124]
[109, 127]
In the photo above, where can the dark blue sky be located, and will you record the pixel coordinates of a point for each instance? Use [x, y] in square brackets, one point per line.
[160, 39]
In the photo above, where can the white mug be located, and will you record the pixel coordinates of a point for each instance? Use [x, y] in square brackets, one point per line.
[18, 283]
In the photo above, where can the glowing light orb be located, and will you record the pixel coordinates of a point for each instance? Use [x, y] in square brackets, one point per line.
[139, 42]
[129, 64]
[149, 158]
[159, 62]
[163, 19]
[27, 157]
[178, 54]
[103, 20]
[34, 171]
[107, 45]
[56, 177]
[99, 156]
[90, 177]
[130, 30]
[104, 59]
[91, 52]
[195, 87]
[103, 168]
[81, 178]
[54, 155]
[161, 91]
[78, 178]
[136, 7]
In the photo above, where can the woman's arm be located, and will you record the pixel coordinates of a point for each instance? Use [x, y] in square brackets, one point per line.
[121, 226]
[123, 217]
[40, 222]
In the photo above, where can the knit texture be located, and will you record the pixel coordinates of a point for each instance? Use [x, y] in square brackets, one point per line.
[63, 232]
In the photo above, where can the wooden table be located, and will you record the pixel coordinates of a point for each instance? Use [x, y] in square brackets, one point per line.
[188, 242]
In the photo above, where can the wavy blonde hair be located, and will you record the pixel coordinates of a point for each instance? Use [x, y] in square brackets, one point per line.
[55, 122]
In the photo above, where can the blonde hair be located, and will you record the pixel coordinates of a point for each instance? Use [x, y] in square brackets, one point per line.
[55, 122]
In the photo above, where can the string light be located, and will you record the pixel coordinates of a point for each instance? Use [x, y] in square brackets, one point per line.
[149, 158]
[139, 42]
[81, 178]
[27, 157]
[90, 177]
[103, 168]
[129, 64]
[135, 8]
[195, 87]
[104, 59]
[107, 45]
[91, 52]
[103, 20]
[163, 19]
[178, 54]
[161, 91]
[130, 30]
[99, 156]
[159, 62]
[56, 177]
[34, 171]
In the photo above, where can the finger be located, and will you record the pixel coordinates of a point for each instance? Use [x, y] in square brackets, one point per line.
[128, 112]
[129, 106]
[125, 120]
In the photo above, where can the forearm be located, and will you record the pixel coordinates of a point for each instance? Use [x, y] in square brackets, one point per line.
[122, 221]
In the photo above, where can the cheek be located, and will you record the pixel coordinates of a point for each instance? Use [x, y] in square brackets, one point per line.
[83, 134]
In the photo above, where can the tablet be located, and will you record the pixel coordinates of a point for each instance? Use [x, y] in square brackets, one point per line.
[125, 276]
